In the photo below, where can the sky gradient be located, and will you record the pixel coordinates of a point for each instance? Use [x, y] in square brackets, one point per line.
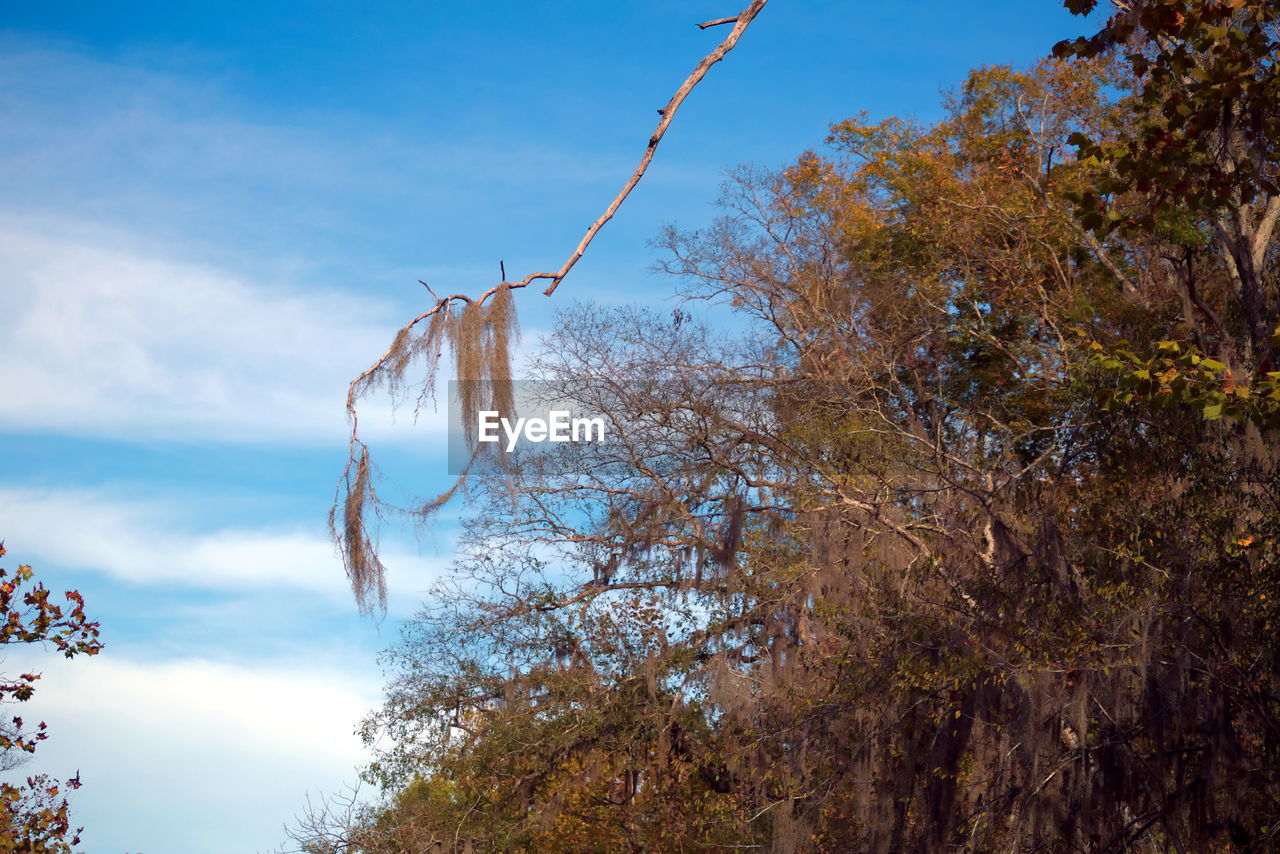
[213, 216]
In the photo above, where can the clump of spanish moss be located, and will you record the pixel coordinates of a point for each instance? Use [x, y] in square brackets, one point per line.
[502, 332]
[359, 553]
[480, 337]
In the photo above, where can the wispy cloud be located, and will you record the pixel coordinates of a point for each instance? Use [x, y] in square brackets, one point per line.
[110, 341]
[172, 267]
[158, 542]
[186, 158]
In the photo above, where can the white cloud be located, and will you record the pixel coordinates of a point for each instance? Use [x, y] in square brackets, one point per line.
[160, 244]
[152, 543]
[193, 755]
[107, 341]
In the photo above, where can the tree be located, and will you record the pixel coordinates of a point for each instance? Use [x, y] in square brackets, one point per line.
[35, 817]
[1199, 164]
[968, 543]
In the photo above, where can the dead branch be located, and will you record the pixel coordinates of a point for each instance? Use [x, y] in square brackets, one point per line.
[394, 361]
[743, 20]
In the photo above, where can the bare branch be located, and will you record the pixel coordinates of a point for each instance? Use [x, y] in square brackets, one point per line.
[394, 360]
[717, 22]
[743, 20]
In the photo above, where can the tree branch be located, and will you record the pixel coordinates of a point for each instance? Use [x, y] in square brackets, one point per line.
[394, 353]
[743, 20]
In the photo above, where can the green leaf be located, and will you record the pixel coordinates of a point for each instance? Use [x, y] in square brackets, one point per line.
[1213, 411]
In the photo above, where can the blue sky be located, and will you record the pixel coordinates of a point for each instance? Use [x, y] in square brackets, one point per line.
[213, 216]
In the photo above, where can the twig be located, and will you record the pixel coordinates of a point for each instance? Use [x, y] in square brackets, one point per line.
[717, 22]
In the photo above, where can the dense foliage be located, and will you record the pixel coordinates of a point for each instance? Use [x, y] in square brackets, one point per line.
[965, 539]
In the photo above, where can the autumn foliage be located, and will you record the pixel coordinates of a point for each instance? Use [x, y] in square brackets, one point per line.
[34, 818]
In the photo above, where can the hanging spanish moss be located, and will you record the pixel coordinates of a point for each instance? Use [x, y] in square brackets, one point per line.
[479, 337]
